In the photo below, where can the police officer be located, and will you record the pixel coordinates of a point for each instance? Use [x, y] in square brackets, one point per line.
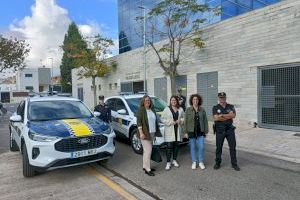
[103, 109]
[223, 115]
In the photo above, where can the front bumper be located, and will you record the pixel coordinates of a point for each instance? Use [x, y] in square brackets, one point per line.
[49, 158]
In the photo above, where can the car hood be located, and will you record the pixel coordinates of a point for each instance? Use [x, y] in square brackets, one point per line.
[69, 127]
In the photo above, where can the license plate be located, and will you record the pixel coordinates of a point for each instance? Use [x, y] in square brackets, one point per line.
[78, 154]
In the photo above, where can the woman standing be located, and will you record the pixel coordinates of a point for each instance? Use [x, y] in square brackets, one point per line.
[196, 128]
[173, 118]
[148, 129]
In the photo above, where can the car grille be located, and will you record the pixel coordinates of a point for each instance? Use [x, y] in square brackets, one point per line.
[73, 144]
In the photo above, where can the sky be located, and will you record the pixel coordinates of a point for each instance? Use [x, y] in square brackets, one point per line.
[43, 24]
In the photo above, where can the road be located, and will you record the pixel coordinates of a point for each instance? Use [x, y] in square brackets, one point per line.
[260, 178]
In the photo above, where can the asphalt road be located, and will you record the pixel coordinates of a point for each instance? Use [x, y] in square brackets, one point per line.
[260, 178]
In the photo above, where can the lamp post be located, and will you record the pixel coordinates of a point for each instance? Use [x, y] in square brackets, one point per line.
[144, 44]
[51, 86]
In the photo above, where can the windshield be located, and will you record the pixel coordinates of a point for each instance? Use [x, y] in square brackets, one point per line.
[134, 103]
[56, 110]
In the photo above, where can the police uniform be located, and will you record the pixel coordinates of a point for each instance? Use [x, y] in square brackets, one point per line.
[105, 112]
[225, 129]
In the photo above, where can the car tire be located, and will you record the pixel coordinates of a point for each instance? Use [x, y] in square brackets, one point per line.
[28, 170]
[136, 142]
[12, 143]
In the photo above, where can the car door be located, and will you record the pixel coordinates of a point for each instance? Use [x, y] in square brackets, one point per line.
[124, 118]
[17, 127]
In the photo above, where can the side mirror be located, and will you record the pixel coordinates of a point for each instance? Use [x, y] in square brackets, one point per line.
[122, 112]
[97, 114]
[15, 118]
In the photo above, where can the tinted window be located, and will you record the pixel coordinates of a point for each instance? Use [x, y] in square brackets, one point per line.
[57, 110]
[134, 103]
[120, 105]
[20, 109]
[111, 104]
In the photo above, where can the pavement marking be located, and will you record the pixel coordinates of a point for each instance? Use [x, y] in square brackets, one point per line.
[111, 184]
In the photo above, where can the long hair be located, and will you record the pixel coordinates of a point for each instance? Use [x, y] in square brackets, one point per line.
[142, 103]
[177, 101]
[198, 97]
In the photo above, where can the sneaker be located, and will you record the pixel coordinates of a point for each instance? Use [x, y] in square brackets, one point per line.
[194, 165]
[236, 167]
[168, 166]
[175, 163]
[217, 166]
[201, 165]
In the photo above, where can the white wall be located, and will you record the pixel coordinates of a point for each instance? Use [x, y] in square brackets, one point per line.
[235, 48]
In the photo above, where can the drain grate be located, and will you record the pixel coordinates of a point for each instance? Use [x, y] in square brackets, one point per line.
[297, 134]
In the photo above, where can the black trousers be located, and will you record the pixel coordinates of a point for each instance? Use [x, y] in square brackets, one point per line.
[172, 149]
[229, 134]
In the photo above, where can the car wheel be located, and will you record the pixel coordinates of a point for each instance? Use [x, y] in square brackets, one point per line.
[136, 143]
[28, 170]
[12, 143]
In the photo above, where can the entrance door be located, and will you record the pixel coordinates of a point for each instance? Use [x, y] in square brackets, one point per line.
[207, 87]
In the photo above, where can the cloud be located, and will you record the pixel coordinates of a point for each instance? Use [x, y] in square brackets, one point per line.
[92, 28]
[44, 30]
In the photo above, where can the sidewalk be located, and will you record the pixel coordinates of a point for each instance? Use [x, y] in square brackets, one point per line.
[268, 142]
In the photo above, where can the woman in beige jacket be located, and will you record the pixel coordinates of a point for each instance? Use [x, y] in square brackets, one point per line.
[173, 118]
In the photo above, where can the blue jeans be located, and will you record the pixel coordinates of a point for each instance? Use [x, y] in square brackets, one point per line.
[199, 142]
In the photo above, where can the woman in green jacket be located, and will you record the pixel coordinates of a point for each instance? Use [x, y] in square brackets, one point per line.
[147, 123]
[196, 128]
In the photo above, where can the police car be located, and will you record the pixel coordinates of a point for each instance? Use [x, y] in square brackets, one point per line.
[55, 132]
[123, 109]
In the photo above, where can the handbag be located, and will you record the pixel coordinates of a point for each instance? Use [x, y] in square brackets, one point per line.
[155, 155]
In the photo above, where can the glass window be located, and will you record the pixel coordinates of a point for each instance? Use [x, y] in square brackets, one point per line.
[57, 110]
[28, 75]
[29, 88]
[134, 103]
[20, 109]
[111, 104]
[120, 105]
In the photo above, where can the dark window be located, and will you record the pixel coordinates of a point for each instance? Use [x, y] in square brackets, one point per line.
[29, 87]
[111, 104]
[20, 109]
[120, 105]
[28, 75]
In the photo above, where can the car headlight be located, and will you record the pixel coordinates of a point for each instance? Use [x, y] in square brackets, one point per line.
[109, 132]
[41, 138]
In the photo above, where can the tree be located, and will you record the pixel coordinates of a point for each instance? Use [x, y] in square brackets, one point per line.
[180, 24]
[12, 53]
[73, 44]
[93, 62]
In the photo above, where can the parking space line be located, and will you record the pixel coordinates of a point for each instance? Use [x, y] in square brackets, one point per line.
[111, 184]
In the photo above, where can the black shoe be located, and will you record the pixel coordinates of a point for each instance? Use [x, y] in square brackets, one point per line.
[236, 168]
[150, 173]
[152, 169]
[217, 166]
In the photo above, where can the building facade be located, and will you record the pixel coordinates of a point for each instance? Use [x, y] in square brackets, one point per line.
[253, 57]
[130, 31]
[34, 79]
